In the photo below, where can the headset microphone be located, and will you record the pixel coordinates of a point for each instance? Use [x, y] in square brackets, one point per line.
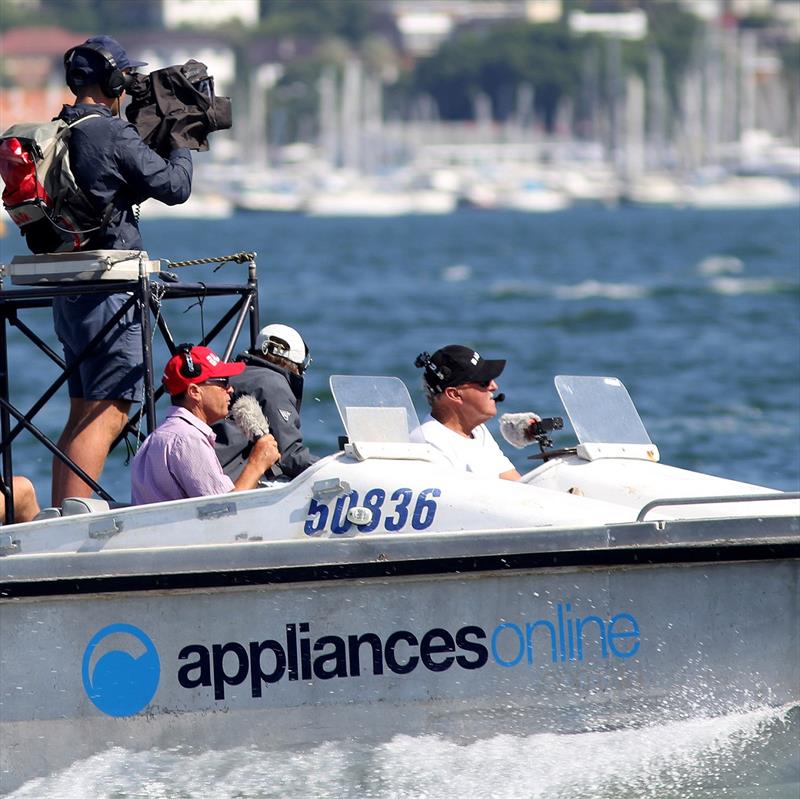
[500, 397]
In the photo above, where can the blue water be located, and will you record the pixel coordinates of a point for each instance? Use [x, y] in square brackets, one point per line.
[697, 312]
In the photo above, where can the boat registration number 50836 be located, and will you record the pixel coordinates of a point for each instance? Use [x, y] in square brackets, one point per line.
[390, 513]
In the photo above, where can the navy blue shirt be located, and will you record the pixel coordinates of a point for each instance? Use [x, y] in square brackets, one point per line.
[112, 164]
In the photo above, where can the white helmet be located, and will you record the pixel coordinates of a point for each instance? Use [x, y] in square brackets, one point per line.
[285, 342]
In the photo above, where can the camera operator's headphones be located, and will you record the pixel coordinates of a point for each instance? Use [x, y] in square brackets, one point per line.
[188, 368]
[113, 82]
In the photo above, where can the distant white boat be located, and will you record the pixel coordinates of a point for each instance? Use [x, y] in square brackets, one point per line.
[269, 200]
[480, 194]
[270, 192]
[358, 202]
[589, 183]
[431, 201]
[655, 188]
[743, 191]
[372, 202]
[534, 197]
[200, 205]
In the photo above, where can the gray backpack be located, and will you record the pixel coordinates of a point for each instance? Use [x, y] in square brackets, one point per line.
[40, 193]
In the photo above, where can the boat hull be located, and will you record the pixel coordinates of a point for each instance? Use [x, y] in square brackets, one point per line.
[465, 635]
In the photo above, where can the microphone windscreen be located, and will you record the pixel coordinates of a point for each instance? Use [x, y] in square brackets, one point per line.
[515, 428]
[249, 417]
[500, 397]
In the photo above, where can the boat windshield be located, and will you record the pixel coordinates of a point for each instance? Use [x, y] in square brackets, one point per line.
[374, 408]
[600, 410]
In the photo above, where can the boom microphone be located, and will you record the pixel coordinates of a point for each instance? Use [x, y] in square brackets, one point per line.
[499, 398]
[516, 428]
[249, 417]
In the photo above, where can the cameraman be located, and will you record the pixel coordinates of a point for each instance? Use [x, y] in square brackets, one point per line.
[115, 170]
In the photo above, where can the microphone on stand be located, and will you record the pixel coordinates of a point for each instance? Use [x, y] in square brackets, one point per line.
[516, 428]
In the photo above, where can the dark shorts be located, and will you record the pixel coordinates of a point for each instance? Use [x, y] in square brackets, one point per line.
[114, 369]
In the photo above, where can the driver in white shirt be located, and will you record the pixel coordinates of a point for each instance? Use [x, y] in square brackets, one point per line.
[460, 387]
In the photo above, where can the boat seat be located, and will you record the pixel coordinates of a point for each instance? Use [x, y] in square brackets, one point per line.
[73, 506]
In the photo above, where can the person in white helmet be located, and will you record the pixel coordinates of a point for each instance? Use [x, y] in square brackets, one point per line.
[274, 376]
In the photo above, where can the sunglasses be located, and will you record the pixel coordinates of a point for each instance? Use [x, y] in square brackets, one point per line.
[222, 382]
[480, 383]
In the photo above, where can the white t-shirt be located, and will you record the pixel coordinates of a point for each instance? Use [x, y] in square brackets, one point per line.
[479, 454]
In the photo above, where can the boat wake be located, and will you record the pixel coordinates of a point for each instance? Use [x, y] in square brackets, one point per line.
[741, 754]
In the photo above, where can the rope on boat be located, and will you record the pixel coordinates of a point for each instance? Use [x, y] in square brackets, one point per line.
[238, 258]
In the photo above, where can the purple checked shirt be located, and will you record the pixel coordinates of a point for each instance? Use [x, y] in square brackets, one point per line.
[177, 460]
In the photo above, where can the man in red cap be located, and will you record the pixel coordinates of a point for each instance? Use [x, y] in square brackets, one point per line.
[177, 460]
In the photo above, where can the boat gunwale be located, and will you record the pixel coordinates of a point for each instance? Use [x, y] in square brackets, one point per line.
[386, 556]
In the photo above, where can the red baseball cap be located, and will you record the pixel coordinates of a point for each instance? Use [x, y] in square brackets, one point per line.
[195, 365]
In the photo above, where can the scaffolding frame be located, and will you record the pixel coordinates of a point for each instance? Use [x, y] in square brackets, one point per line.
[146, 293]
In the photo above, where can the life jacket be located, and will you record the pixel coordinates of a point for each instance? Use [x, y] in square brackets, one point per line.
[41, 194]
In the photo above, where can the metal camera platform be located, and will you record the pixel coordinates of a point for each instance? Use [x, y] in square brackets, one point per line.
[42, 278]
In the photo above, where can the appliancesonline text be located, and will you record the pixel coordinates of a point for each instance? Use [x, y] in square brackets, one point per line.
[300, 655]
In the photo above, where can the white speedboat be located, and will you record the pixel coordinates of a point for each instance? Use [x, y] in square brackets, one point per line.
[383, 592]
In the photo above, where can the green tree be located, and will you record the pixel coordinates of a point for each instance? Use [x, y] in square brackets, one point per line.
[496, 63]
[675, 33]
[352, 20]
[102, 16]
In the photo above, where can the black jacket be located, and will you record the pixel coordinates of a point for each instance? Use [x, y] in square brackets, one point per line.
[280, 393]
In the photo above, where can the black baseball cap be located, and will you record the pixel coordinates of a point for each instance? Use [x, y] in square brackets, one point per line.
[455, 365]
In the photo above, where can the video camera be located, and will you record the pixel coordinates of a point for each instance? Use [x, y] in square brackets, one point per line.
[539, 430]
[545, 425]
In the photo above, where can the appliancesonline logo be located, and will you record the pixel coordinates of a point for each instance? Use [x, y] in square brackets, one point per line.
[121, 667]
[121, 670]
[301, 655]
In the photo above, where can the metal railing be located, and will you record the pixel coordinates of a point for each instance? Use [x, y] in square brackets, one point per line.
[146, 295]
[657, 503]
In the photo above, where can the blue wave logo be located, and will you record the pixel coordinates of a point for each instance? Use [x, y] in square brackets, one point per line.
[121, 676]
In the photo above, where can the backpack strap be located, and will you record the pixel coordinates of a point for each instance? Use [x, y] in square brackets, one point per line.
[109, 210]
[87, 115]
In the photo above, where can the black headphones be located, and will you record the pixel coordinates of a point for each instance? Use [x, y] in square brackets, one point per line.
[189, 367]
[114, 80]
[441, 373]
